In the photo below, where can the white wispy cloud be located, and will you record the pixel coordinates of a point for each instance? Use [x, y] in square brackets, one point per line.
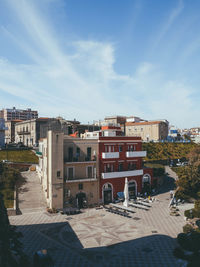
[168, 23]
[84, 84]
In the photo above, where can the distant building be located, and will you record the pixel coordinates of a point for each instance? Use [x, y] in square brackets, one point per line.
[30, 131]
[10, 131]
[18, 114]
[115, 119]
[195, 137]
[148, 130]
[2, 133]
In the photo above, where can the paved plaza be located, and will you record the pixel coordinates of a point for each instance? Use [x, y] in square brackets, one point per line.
[99, 238]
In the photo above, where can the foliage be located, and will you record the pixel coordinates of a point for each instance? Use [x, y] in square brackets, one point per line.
[188, 182]
[193, 213]
[189, 241]
[11, 254]
[187, 228]
[166, 151]
[158, 169]
[194, 156]
[9, 178]
[19, 156]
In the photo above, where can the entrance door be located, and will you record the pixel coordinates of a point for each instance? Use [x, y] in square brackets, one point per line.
[132, 189]
[107, 194]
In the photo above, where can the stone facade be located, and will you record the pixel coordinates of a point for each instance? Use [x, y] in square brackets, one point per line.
[148, 131]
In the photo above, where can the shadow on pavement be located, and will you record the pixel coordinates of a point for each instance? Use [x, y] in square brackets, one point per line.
[66, 249]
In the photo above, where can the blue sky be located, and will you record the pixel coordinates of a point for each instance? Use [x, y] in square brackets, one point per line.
[86, 59]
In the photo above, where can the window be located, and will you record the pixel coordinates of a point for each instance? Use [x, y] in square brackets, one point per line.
[132, 166]
[80, 186]
[89, 171]
[120, 149]
[71, 173]
[120, 167]
[89, 153]
[131, 148]
[70, 153]
[58, 174]
[78, 152]
[106, 148]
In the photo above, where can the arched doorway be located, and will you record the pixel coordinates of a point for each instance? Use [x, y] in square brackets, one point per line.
[107, 193]
[132, 189]
[146, 183]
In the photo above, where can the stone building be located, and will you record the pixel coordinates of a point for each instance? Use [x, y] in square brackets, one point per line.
[30, 131]
[10, 131]
[148, 130]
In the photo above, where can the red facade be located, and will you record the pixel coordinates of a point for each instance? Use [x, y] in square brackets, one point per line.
[115, 164]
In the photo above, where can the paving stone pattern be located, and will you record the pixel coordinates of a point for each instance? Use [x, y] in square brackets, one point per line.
[99, 238]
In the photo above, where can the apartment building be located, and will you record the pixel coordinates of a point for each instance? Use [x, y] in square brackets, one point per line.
[10, 131]
[18, 114]
[2, 133]
[93, 167]
[148, 130]
[30, 131]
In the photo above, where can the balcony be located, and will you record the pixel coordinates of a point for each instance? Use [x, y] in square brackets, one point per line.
[136, 154]
[79, 180]
[110, 175]
[23, 132]
[110, 155]
[80, 159]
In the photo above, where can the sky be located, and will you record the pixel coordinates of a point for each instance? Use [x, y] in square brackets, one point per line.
[87, 59]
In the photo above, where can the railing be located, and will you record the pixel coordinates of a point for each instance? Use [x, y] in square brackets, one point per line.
[23, 132]
[110, 155]
[85, 179]
[80, 159]
[109, 175]
[135, 154]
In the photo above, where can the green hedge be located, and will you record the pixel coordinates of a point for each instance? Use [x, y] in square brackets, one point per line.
[166, 151]
[19, 156]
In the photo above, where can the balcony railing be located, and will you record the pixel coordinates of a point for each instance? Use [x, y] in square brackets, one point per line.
[109, 175]
[80, 159]
[75, 180]
[135, 154]
[23, 132]
[110, 155]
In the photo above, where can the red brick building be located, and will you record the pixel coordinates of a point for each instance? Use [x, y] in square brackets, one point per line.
[121, 157]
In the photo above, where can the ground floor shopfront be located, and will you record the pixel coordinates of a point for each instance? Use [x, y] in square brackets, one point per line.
[109, 188]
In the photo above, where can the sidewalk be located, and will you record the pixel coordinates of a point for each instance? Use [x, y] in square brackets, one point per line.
[31, 196]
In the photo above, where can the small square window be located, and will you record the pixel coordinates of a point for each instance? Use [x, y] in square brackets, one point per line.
[58, 174]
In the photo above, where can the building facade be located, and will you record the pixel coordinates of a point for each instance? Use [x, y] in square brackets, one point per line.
[30, 131]
[91, 168]
[148, 131]
[2, 133]
[18, 114]
[10, 131]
